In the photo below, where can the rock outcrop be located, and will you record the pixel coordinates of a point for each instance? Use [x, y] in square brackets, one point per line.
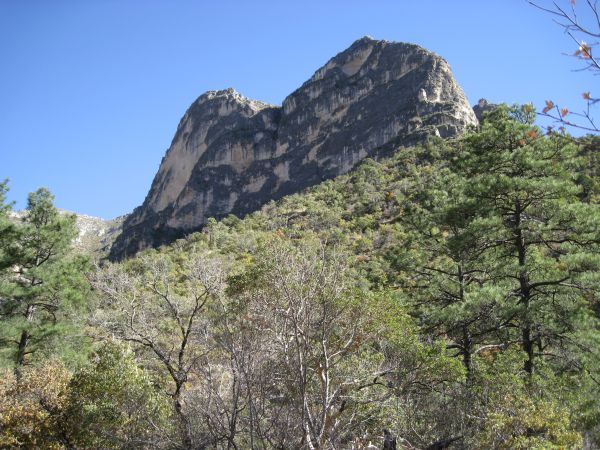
[483, 107]
[95, 236]
[231, 154]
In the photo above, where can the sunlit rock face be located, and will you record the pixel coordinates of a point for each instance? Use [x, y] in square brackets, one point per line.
[231, 154]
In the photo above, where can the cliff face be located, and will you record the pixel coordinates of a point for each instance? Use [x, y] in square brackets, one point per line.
[231, 154]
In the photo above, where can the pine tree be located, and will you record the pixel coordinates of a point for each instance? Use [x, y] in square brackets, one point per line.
[544, 238]
[6, 226]
[40, 280]
[454, 291]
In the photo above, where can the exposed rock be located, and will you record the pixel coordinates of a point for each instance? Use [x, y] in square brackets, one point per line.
[231, 154]
[95, 235]
[482, 107]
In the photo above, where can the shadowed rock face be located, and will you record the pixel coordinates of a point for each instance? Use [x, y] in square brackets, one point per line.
[483, 107]
[231, 154]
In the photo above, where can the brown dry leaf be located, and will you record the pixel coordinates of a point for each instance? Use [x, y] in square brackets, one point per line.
[564, 112]
[532, 133]
[586, 95]
[549, 106]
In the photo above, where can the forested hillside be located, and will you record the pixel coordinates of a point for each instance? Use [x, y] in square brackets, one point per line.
[444, 297]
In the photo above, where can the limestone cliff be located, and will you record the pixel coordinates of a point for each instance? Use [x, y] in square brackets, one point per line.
[231, 154]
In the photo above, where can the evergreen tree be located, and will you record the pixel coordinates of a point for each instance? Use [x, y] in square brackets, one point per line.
[449, 279]
[540, 233]
[6, 226]
[40, 280]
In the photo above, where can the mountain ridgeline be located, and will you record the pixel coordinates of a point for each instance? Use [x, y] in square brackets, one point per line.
[231, 154]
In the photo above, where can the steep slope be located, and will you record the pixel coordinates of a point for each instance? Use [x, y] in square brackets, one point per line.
[231, 154]
[95, 235]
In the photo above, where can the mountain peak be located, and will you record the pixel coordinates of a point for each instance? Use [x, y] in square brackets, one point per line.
[231, 95]
[366, 39]
[232, 154]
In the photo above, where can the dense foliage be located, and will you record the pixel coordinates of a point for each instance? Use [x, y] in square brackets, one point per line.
[42, 282]
[446, 297]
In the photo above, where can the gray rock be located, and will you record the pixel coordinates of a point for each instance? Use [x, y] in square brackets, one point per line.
[231, 154]
[483, 107]
[95, 236]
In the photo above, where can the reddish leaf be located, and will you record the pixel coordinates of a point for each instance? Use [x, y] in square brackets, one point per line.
[584, 51]
[549, 106]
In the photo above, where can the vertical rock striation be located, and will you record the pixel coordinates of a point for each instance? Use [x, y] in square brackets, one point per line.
[231, 154]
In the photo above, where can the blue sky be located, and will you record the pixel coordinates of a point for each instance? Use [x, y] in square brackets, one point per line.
[91, 91]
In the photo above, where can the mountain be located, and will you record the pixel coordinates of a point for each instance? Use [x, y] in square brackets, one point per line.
[95, 235]
[232, 154]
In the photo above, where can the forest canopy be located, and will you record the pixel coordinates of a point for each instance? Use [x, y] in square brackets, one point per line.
[444, 297]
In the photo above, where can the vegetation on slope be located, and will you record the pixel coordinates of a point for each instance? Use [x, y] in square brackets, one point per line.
[446, 297]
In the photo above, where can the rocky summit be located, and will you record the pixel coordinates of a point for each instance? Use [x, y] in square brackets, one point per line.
[232, 154]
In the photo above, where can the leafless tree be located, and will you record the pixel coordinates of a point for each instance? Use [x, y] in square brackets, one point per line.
[317, 328]
[287, 352]
[160, 306]
[580, 25]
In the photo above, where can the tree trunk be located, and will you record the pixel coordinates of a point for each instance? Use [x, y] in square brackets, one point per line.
[528, 348]
[467, 353]
[389, 441]
[467, 341]
[23, 342]
[20, 359]
[186, 435]
[524, 291]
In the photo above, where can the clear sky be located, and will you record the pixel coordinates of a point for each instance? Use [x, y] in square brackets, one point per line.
[91, 91]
